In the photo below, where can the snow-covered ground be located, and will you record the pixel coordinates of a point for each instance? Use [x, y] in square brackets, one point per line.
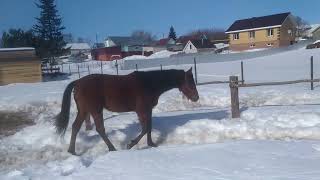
[276, 137]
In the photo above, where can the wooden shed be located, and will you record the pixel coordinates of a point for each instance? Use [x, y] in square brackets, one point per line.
[19, 65]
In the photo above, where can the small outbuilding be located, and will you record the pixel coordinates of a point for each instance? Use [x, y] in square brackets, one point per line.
[19, 65]
[200, 45]
[77, 48]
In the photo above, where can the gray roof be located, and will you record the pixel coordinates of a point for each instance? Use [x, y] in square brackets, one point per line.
[127, 41]
[258, 22]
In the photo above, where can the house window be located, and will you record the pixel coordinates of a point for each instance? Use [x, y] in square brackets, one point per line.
[252, 45]
[252, 34]
[270, 32]
[235, 36]
[270, 44]
[190, 46]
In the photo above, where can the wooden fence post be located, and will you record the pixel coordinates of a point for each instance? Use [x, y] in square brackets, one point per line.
[117, 66]
[62, 68]
[101, 67]
[195, 70]
[89, 69]
[161, 67]
[235, 111]
[78, 71]
[136, 67]
[242, 76]
[311, 72]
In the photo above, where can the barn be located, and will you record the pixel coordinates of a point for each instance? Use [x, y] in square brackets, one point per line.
[19, 65]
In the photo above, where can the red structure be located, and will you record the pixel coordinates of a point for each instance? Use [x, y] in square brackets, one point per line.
[107, 54]
[113, 53]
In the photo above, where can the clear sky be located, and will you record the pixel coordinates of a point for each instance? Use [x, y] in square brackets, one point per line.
[85, 18]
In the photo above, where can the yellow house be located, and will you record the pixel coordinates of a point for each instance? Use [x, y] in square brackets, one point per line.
[262, 32]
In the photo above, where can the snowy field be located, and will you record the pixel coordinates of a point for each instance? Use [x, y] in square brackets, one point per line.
[276, 137]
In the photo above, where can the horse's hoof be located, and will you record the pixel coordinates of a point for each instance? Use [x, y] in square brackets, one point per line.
[129, 146]
[89, 128]
[72, 152]
[151, 144]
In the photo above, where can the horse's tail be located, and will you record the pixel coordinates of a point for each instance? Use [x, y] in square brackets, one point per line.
[62, 118]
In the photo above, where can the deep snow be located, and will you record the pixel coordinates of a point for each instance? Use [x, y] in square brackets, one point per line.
[277, 136]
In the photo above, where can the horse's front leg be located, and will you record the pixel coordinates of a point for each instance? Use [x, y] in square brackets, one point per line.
[145, 121]
[149, 129]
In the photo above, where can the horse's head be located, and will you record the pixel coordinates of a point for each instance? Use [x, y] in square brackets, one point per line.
[188, 86]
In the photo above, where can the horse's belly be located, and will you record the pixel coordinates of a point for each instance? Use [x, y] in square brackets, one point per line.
[120, 104]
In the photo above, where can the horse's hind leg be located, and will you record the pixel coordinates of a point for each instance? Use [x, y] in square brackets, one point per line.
[75, 129]
[98, 119]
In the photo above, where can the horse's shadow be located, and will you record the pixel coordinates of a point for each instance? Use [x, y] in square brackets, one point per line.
[168, 123]
[165, 125]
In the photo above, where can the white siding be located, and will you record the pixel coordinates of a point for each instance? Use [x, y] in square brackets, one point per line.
[190, 48]
[109, 43]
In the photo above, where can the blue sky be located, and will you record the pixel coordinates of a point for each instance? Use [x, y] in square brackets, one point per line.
[85, 18]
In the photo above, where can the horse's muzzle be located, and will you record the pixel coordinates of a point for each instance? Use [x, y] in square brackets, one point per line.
[194, 98]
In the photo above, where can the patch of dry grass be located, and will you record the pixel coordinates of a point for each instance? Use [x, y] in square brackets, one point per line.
[11, 122]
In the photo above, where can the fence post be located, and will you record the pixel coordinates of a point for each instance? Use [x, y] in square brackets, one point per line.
[311, 72]
[62, 68]
[195, 70]
[242, 76]
[89, 69]
[117, 67]
[234, 91]
[69, 69]
[101, 67]
[136, 67]
[78, 71]
[161, 67]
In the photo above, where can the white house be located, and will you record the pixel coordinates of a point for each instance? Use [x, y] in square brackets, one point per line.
[77, 48]
[189, 48]
[200, 45]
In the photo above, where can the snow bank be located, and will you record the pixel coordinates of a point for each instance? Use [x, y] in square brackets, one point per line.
[267, 113]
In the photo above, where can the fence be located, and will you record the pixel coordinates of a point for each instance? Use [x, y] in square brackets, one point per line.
[85, 68]
[235, 84]
[205, 57]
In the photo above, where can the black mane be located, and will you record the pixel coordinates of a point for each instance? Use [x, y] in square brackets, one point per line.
[161, 80]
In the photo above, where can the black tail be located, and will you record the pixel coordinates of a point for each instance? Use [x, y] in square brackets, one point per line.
[62, 119]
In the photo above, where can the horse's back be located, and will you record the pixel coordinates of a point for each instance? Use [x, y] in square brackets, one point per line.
[115, 93]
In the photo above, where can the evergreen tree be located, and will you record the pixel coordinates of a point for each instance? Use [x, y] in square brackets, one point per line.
[17, 38]
[172, 33]
[50, 42]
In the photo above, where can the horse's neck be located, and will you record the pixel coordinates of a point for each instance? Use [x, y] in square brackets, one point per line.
[171, 85]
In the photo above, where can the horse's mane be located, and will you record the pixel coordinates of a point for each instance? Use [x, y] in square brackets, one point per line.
[160, 80]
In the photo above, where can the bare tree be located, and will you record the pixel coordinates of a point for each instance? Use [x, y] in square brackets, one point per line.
[143, 35]
[302, 25]
[212, 34]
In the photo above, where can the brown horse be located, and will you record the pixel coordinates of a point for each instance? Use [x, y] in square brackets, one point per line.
[137, 91]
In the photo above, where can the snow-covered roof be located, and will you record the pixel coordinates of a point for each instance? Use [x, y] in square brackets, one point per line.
[312, 29]
[221, 45]
[17, 49]
[78, 46]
